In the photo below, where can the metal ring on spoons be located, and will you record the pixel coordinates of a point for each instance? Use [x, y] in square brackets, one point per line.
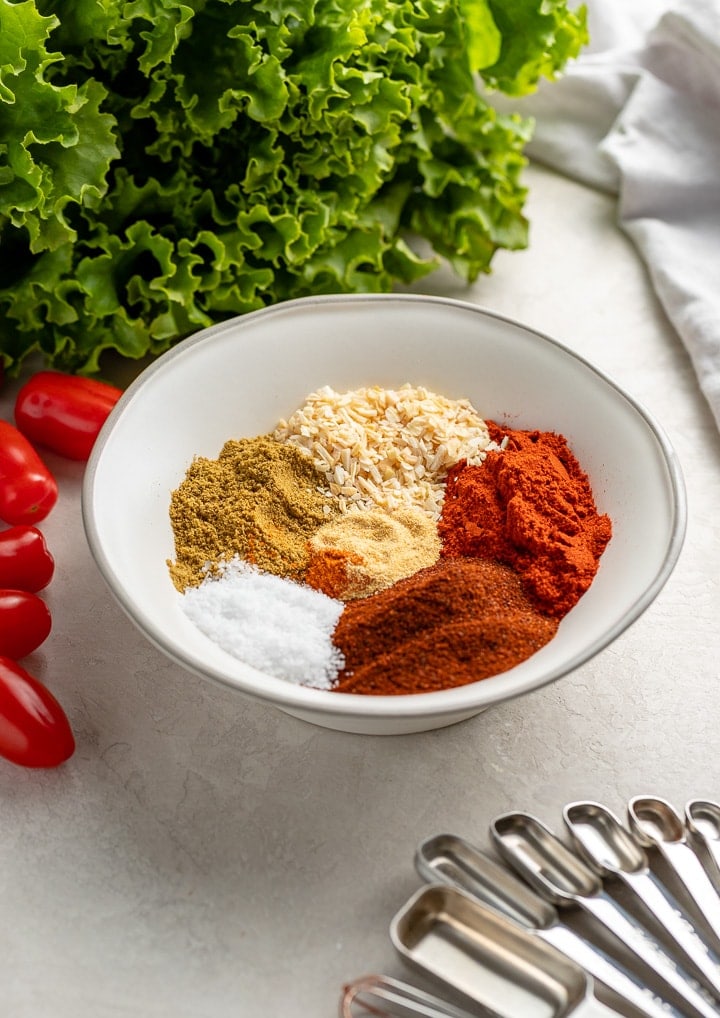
[656, 823]
[614, 851]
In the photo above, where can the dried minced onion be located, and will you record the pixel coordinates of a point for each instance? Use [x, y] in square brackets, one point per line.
[390, 448]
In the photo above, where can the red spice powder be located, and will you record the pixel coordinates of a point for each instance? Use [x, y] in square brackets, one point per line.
[327, 571]
[452, 623]
[531, 507]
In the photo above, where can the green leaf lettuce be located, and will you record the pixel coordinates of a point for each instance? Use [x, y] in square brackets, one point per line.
[167, 164]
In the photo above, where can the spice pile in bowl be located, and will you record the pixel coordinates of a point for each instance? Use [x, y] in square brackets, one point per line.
[385, 541]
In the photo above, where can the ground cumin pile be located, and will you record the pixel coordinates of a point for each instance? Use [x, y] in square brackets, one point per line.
[259, 499]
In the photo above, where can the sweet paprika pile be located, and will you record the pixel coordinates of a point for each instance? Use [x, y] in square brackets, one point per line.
[531, 507]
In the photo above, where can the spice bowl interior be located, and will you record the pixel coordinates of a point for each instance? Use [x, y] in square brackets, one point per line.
[239, 378]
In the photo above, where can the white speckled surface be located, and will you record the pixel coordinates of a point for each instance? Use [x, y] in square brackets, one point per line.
[203, 856]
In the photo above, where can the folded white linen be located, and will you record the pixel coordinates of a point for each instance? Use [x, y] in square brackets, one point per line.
[638, 114]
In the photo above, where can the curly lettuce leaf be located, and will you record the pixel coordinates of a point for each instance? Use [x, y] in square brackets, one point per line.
[538, 39]
[167, 164]
[56, 143]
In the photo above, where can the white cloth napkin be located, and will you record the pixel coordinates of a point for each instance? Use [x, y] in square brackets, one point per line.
[638, 114]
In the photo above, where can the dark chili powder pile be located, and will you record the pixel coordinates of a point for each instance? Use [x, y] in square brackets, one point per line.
[521, 542]
[458, 621]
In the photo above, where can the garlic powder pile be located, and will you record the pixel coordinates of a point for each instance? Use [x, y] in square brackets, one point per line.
[387, 448]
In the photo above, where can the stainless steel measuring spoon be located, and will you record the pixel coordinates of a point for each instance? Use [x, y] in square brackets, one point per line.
[657, 825]
[384, 996]
[702, 819]
[614, 851]
[448, 859]
[491, 960]
[559, 875]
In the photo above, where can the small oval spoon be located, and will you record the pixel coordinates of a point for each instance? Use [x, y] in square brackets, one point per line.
[702, 819]
[614, 851]
[658, 825]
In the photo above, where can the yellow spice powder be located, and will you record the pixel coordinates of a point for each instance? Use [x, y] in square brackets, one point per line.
[376, 548]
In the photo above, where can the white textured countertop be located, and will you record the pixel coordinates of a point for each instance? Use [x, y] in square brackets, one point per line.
[204, 856]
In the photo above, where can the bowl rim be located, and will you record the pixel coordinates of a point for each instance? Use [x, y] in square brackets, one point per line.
[441, 703]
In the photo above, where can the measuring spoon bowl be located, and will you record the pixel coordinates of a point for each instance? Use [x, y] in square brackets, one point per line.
[702, 818]
[603, 841]
[450, 859]
[655, 822]
[542, 859]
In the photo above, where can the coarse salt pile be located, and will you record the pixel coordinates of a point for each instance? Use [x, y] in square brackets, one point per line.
[269, 622]
[387, 448]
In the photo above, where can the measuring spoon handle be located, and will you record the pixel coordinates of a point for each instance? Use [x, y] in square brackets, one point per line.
[713, 850]
[608, 972]
[591, 1007]
[669, 913]
[690, 871]
[638, 940]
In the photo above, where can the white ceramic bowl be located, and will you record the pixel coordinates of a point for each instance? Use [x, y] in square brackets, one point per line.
[238, 378]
